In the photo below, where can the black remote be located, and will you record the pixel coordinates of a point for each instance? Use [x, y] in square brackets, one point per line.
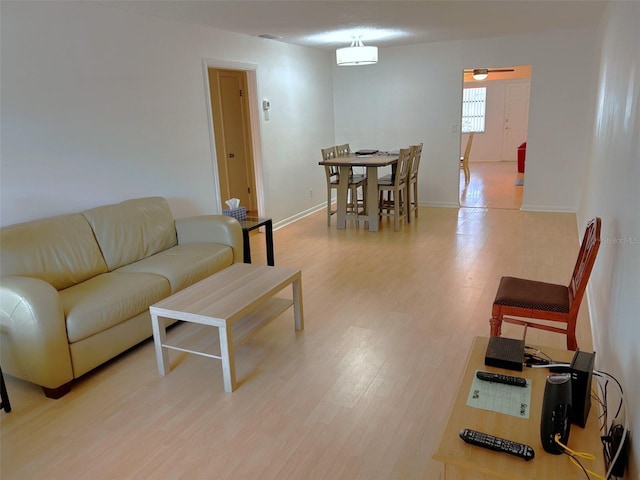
[500, 378]
[498, 444]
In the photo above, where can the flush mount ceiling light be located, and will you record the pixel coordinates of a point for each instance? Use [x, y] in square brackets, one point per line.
[480, 73]
[356, 54]
[269, 36]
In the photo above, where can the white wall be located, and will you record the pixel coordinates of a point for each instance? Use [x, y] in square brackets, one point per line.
[414, 95]
[101, 105]
[612, 193]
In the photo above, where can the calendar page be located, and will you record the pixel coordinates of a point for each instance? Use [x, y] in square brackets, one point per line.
[501, 398]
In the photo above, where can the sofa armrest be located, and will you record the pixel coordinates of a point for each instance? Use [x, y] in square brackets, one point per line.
[33, 332]
[211, 229]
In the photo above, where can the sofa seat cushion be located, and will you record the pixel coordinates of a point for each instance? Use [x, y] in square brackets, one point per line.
[184, 265]
[109, 299]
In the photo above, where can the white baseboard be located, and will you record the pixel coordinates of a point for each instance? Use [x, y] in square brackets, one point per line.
[439, 204]
[300, 215]
[547, 208]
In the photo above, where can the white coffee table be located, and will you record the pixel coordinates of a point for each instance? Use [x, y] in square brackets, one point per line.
[240, 296]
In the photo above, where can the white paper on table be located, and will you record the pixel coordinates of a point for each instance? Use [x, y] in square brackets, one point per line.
[501, 398]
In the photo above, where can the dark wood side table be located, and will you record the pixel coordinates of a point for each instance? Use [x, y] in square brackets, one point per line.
[252, 223]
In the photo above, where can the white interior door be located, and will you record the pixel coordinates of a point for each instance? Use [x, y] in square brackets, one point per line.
[516, 118]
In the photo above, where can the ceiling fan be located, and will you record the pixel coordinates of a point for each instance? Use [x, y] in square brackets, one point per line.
[482, 73]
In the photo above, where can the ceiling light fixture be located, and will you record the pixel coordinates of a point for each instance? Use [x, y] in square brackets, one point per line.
[356, 54]
[269, 36]
[480, 73]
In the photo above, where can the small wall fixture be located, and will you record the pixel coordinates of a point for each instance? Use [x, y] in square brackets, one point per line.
[356, 54]
[480, 73]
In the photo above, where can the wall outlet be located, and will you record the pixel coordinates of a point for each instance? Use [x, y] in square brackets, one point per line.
[311, 193]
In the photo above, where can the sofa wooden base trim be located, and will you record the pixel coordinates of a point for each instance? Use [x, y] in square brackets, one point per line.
[56, 393]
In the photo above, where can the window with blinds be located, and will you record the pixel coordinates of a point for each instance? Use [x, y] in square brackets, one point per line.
[474, 101]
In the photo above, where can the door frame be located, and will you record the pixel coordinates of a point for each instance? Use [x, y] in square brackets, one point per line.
[519, 79]
[254, 122]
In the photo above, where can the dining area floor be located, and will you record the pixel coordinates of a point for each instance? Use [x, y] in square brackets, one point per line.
[492, 185]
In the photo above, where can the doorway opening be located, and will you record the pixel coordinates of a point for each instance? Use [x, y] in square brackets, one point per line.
[496, 110]
[234, 132]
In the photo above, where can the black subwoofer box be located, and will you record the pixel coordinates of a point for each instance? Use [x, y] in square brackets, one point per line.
[581, 374]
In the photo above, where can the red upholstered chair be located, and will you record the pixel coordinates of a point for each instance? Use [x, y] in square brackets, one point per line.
[547, 301]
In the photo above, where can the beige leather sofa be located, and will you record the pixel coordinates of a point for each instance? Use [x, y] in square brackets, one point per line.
[75, 289]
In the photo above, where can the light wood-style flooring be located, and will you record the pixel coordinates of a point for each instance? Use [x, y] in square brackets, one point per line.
[362, 393]
[492, 185]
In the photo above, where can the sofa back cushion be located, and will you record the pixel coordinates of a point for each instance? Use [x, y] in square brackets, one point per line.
[59, 250]
[132, 230]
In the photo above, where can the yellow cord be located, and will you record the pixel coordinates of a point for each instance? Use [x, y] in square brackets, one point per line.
[573, 455]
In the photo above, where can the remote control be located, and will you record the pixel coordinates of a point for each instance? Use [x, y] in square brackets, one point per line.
[500, 378]
[498, 444]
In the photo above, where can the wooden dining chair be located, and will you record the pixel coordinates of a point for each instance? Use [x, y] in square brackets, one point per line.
[333, 179]
[464, 160]
[412, 181]
[547, 301]
[392, 191]
[343, 150]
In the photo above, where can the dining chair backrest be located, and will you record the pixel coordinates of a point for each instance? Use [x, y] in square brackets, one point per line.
[412, 187]
[329, 153]
[464, 160]
[343, 150]
[402, 169]
[331, 170]
[416, 153]
[467, 150]
[584, 263]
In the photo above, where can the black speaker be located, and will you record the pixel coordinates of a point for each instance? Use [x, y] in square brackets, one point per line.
[556, 410]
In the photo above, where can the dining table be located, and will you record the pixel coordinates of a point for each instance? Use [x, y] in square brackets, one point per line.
[372, 162]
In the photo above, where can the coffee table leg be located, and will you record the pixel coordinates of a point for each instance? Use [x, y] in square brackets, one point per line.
[228, 359]
[159, 338]
[298, 312]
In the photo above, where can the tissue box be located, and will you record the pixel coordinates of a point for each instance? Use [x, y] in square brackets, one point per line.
[239, 213]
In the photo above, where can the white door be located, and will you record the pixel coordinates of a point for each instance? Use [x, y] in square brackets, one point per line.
[516, 119]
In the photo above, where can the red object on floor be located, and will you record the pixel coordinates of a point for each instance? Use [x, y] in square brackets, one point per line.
[522, 153]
